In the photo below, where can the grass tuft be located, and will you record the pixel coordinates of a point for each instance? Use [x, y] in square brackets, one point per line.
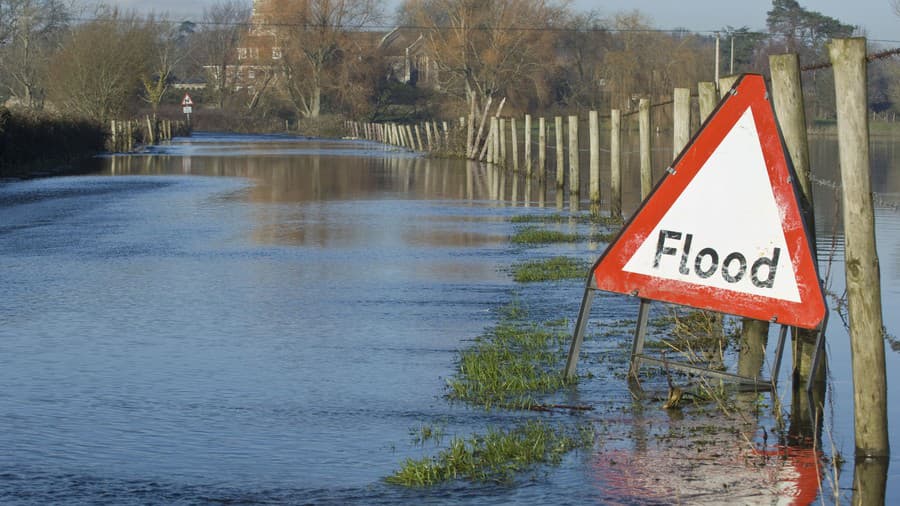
[536, 235]
[496, 456]
[551, 269]
[610, 221]
[509, 366]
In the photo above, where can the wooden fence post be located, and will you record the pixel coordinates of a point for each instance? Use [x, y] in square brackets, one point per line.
[515, 145]
[682, 120]
[708, 99]
[470, 133]
[725, 84]
[502, 138]
[542, 148]
[560, 154]
[615, 154]
[848, 57]
[489, 143]
[528, 163]
[420, 145]
[594, 189]
[646, 159]
[113, 136]
[497, 135]
[574, 169]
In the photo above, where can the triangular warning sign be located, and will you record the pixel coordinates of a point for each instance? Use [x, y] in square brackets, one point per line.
[723, 229]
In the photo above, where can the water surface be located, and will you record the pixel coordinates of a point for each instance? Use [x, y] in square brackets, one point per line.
[263, 319]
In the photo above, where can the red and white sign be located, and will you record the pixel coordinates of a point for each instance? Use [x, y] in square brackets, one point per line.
[723, 229]
[187, 100]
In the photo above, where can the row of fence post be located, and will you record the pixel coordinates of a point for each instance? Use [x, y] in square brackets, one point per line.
[125, 135]
[427, 136]
[502, 147]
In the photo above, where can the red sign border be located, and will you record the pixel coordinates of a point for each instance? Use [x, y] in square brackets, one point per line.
[608, 275]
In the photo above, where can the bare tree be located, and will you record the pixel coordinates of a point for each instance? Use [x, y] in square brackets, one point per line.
[167, 50]
[584, 44]
[488, 49]
[316, 38]
[29, 30]
[96, 72]
[222, 27]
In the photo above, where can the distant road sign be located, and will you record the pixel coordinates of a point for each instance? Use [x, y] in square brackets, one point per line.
[187, 109]
[187, 101]
[723, 229]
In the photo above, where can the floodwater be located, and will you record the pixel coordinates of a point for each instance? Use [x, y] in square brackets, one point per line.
[265, 319]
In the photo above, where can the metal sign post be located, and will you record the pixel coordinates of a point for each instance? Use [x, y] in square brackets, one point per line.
[187, 107]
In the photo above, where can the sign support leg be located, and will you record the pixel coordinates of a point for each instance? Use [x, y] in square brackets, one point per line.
[580, 324]
[640, 332]
[817, 355]
[779, 351]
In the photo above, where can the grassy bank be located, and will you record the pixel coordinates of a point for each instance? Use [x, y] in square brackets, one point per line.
[32, 143]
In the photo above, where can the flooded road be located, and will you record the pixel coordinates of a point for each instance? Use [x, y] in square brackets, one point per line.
[252, 319]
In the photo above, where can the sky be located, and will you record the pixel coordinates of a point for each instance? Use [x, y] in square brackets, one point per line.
[877, 17]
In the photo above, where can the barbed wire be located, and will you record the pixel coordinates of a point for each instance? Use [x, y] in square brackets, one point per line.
[869, 58]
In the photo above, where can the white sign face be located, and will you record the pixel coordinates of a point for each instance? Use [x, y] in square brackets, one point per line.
[725, 230]
[187, 109]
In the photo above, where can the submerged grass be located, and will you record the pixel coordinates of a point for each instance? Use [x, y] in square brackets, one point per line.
[609, 221]
[550, 269]
[509, 366]
[496, 456]
[537, 235]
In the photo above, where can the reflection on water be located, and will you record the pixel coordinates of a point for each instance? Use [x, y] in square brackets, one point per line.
[264, 319]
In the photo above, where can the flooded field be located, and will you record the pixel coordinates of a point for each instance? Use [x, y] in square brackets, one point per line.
[271, 320]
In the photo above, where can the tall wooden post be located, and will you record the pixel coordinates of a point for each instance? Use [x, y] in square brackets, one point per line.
[515, 144]
[646, 159]
[848, 57]
[560, 154]
[528, 163]
[542, 149]
[682, 120]
[708, 99]
[594, 132]
[574, 169]
[615, 159]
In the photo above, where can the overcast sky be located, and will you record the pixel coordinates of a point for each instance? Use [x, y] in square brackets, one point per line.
[877, 17]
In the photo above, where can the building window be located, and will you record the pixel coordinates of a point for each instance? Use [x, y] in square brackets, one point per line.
[276, 53]
[251, 74]
[242, 53]
[254, 53]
